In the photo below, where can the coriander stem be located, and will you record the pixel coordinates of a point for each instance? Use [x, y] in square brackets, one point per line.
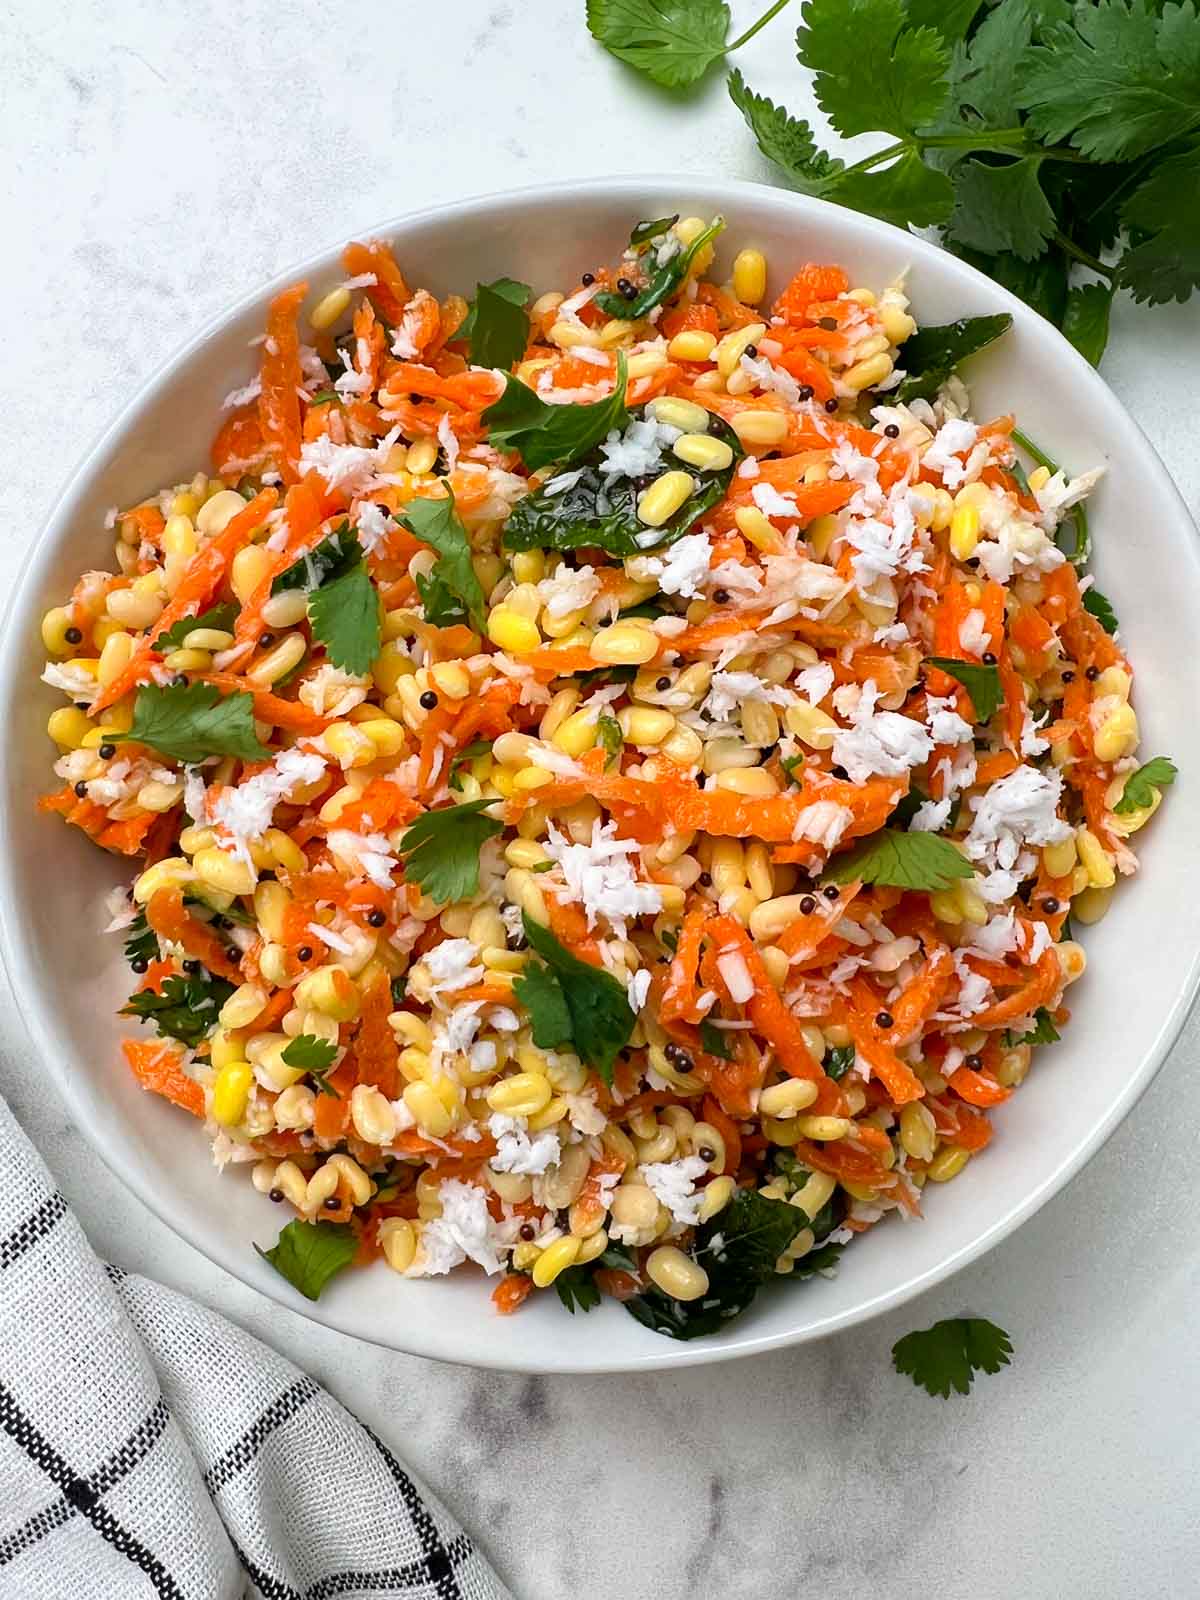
[1003, 141]
[761, 23]
[1078, 253]
[885, 154]
[974, 138]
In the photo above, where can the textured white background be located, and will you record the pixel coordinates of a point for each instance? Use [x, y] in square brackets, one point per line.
[162, 157]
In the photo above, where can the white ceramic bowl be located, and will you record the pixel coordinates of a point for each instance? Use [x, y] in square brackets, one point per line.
[69, 982]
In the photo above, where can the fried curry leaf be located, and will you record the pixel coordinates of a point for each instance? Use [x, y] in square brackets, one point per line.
[663, 279]
[600, 511]
[738, 1249]
[932, 354]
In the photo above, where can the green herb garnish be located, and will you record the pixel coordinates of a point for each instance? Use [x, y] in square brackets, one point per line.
[308, 1254]
[573, 1003]
[1042, 1032]
[662, 281]
[543, 434]
[221, 617]
[441, 850]
[901, 861]
[1142, 787]
[947, 1356]
[186, 1009]
[452, 591]
[462, 758]
[674, 42]
[315, 1056]
[738, 1249]
[600, 509]
[190, 721]
[981, 682]
[932, 354]
[496, 326]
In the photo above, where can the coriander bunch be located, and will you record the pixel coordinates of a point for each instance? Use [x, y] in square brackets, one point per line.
[1054, 145]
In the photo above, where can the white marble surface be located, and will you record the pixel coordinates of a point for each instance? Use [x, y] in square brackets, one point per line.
[161, 158]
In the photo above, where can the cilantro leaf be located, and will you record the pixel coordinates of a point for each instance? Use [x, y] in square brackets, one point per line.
[713, 1041]
[441, 850]
[1142, 786]
[784, 139]
[947, 1356]
[496, 326]
[1099, 606]
[310, 1053]
[452, 590]
[663, 280]
[1164, 260]
[186, 1009]
[1042, 284]
[1118, 80]
[141, 941]
[986, 70]
[872, 70]
[544, 435]
[906, 192]
[308, 1254]
[461, 758]
[315, 1056]
[951, 18]
[1001, 207]
[674, 42]
[344, 615]
[901, 861]
[221, 617]
[608, 731]
[981, 682]
[343, 606]
[738, 1249]
[1042, 1032]
[540, 992]
[598, 1008]
[334, 556]
[932, 354]
[190, 721]
[1085, 321]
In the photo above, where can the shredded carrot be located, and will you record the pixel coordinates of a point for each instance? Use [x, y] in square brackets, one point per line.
[168, 916]
[159, 1068]
[281, 378]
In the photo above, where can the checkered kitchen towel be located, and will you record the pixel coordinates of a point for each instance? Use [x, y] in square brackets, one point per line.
[150, 1448]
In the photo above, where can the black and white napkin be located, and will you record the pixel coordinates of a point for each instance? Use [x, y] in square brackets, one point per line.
[149, 1448]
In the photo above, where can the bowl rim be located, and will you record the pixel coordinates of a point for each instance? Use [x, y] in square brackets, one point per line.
[27, 985]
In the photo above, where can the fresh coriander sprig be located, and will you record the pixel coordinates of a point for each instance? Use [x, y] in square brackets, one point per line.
[901, 861]
[572, 1003]
[675, 42]
[947, 1356]
[441, 850]
[1045, 143]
